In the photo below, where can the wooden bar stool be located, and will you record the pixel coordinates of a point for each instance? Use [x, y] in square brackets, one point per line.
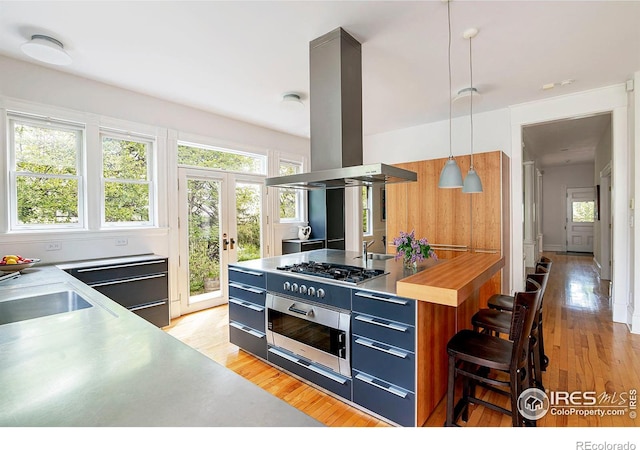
[498, 322]
[505, 303]
[477, 357]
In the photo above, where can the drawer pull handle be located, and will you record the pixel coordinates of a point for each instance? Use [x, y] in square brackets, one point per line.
[373, 321]
[383, 299]
[120, 266]
[248, 305]
[128, 280]
[390, 389]
[247, 272]
[245, 288]
[311, 367]
[246, 329]
[390, 350]
[150, 305]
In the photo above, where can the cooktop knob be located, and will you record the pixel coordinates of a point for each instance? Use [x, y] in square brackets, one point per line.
[311, 291]
[303, 289]
[287, 286]
[320, 293]
[294, 287]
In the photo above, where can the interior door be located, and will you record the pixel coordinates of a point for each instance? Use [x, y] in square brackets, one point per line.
[580, 219]
[220, 222]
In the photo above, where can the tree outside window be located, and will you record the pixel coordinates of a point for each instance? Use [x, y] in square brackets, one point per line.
[290, 201]
[46, 173]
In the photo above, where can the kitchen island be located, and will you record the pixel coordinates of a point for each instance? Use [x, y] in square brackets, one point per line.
[104, 366]
[397, 357]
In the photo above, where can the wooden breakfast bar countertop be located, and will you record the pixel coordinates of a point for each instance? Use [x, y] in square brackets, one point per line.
[453, 281]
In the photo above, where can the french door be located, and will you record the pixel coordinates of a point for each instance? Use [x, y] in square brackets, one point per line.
[220, 222]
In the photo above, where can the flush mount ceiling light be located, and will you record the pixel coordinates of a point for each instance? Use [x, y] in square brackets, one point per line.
[46, 49]
[450, 177]
[472, 183]
[467, 93]
[292, 101]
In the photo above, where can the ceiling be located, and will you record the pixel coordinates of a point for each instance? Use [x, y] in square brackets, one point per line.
[237, 58]
[565, 142]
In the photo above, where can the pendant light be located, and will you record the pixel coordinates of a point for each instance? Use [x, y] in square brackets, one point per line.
[450, 177]
[472, 183]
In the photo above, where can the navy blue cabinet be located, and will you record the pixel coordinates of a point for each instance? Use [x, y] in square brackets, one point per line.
[383, 355]
[247, 297]
[140, 284]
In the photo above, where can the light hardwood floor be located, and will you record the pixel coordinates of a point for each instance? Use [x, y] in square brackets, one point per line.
[587, 353]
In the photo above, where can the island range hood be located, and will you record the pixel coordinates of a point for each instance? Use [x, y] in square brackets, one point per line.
[335, 66]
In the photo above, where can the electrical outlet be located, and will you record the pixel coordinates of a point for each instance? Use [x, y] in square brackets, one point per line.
[122, 241]
[53, 246]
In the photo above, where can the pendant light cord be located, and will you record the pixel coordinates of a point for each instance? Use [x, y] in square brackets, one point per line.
[471, 98]
[449, 60]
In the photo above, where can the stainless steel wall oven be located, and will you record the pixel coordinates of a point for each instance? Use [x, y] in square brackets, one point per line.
[314, 331]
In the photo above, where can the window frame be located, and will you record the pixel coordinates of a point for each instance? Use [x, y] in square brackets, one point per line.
[36, 120]
[150, 181]
[263, 158]
[368, 210]
[299, 202]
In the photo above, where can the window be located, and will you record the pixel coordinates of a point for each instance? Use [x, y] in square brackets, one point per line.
[583, 211]
[46, 173]
[220, 159]
[126, 180]
[367, 211]
[290, 199]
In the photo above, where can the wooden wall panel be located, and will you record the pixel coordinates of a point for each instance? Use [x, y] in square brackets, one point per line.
[486, 206]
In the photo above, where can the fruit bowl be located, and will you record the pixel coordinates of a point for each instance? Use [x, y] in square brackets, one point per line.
[28, 262]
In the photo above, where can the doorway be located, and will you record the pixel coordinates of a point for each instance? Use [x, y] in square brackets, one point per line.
[220, 223]
[581, 215]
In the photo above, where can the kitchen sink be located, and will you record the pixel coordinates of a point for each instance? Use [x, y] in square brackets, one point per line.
[377, 256]
[41, 305]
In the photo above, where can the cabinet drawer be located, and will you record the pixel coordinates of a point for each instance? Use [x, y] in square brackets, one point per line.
[314, 245]
[97, 274]
[247, 313]
[135, 291]
[393, 364]
[389, 307]
[247, 276]
[383, 330]
[314, 373]
[248, 339]
[393, 402]
[157, 313]
[248, 293]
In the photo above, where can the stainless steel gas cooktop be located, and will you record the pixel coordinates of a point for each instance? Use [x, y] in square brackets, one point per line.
[339, 272]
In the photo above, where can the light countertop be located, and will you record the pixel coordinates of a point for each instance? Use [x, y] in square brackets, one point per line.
[105, 366]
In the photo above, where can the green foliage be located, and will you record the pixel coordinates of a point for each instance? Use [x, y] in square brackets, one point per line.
[583, 211]
[288, 197]
[216, 159]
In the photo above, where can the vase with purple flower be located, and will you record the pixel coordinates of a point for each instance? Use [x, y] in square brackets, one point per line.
[412, 250]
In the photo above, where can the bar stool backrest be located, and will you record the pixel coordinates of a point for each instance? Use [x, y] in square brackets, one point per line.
[525, 310]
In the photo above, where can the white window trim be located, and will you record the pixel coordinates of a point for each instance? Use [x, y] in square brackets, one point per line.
[369, 231]
[90, 164]
[150, 181]
[12, 201]
[300, 197]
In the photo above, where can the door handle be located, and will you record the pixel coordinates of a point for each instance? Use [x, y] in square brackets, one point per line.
[233, 241]
[225, 243]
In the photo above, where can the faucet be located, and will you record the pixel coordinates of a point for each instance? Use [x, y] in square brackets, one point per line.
[365, 246]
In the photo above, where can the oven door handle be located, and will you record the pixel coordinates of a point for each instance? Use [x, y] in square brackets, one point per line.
[300, 311]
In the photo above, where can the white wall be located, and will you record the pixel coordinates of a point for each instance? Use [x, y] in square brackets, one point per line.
[554, 205]
[602, 158]
[491, 131]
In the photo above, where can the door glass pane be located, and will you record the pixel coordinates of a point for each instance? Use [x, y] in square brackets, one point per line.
[203, 200]
[583, 211]
[248, 218]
